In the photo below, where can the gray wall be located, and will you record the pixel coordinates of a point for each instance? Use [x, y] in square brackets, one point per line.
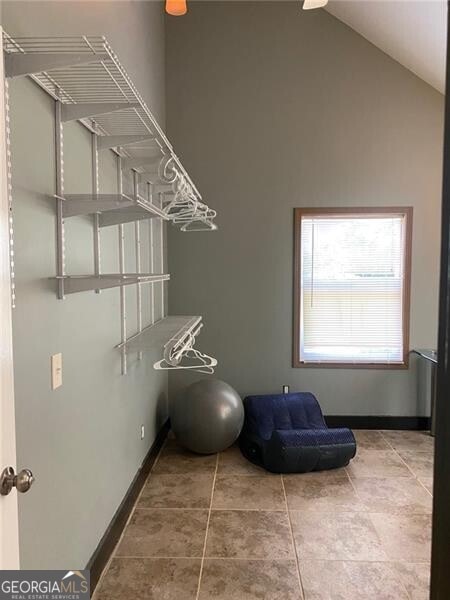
[270, 108]
[83, 440]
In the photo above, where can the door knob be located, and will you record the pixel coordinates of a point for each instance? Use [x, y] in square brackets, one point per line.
[22, 481]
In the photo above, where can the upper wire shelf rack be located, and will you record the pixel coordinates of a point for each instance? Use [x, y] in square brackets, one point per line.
[85, 75]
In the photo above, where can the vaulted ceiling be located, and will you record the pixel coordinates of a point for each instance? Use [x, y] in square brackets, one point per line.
[413, 32]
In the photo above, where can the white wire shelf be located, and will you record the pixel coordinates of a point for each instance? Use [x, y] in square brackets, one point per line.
[162, 334]
[84, 283]
[84, 70]
[85, 74]
[112, 208]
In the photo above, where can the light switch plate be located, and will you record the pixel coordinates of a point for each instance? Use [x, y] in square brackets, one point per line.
[56, 364]
[142, 432]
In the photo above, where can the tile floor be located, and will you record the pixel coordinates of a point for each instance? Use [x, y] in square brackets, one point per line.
[219, 528]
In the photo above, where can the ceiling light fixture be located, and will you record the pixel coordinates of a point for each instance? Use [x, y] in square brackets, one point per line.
[177, 8]
[310, 4]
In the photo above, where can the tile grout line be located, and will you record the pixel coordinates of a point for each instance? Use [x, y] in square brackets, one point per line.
[207, 528]
[416, 477]
[113, 553]
[175, 508]
[425, 487]
[407, 466]
[278, 560]
[354, 488]
[364, 509]
[300, 582]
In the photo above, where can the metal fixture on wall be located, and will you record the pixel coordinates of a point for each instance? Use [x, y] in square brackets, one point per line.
[88, 84]
[310, 4]
[176, 8]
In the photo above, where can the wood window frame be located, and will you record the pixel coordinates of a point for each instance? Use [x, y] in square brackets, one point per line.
[299, 213]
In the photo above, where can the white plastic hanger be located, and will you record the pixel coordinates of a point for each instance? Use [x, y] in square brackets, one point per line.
[186, 207]
[204, 364]
[183, 349]
[203, 225]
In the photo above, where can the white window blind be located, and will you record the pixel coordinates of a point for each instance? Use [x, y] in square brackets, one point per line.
[352, 278]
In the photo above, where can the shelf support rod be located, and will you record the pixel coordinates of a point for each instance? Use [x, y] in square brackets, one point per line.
[123, 316]
[96, 217]
[59, 156]
[18, 63]
[161, 239]
[151, 254]
[83, 110]
[137, 238]
[6, 171]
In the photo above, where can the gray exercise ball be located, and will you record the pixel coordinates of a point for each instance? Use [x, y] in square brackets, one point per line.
[207, 416]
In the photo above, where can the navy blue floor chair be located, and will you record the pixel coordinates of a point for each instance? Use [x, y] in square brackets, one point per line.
[286, 433]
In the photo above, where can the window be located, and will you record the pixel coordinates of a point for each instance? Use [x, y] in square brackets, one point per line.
[351, 287]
